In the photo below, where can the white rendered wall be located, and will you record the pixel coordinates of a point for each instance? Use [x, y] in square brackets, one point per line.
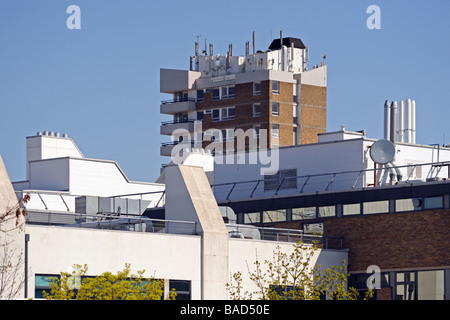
[244, 253]
[104, 179]
[318, 158]
[165, 256]
[54, 249]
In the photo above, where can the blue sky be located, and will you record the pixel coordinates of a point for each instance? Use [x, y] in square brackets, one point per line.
[100, 84]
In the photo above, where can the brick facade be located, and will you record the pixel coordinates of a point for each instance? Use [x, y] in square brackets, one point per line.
[313, 112]
[396, 241]
[313, 101]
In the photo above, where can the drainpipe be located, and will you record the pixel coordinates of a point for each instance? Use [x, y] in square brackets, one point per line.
[27, 239]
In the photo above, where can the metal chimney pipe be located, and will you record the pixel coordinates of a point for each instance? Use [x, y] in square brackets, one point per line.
[408, 121]
[400, 120]
[253, 42]
[393, 130]
[387, 116]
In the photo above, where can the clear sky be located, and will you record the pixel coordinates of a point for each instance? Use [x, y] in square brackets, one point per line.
[100, 84]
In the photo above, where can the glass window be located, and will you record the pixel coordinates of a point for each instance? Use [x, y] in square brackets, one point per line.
[275, 130]
[182, 289]
[231, 113]
[256, 110]
[376, 207]
[349, 209]
[275, 108]
[316, 228]
[200, 115]
[215, 94]
[274, 215]
[200, 95]
[430, 285]
[231, 92]
[303, 213]
[42, 283]
[215, 114]
[252, 217]
[433, 203]
[283, 179]
[275, 87]
[256, 88]
[407, 205]
[327, 211]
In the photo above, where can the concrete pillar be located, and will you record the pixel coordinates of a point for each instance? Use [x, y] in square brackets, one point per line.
[189, 198]
[12, 238]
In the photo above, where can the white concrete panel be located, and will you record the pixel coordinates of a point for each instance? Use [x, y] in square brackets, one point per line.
[52, 174]
[104, 179]
[55, 249]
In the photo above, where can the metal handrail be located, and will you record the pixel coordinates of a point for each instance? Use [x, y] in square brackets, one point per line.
[177, 121]
[110, 222]
[174, 143]
[332, 176]
[178, 100]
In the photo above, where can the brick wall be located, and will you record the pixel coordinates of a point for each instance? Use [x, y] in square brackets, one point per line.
[313, 120]
[313, 111]
[408, 240]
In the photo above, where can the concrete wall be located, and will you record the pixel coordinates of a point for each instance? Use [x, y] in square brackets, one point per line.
[165, 256]
[172, 80]
[244, 253]
[307, 159]
[55, 249]
[12, 240]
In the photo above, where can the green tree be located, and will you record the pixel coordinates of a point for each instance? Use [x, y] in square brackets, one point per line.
[107, 286]
[290, 276]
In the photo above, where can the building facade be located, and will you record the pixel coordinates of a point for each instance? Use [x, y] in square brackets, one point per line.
[271, 90]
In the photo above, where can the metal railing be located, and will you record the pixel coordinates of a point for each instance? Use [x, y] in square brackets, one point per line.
[107, 222]
[325, 181]
[165, 123]
[241, 231]
[174, 143]
[144, 224]
[177, 100]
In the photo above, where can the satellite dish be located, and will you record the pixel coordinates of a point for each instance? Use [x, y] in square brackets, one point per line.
[382, 151]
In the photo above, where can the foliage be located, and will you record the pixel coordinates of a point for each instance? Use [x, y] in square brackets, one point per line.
[107, 286]
[12, 272]
[290, 277]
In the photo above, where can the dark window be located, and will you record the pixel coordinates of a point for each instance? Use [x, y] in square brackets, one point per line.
[182, 289]
[283, 179]
[200, 95]
[216, 94]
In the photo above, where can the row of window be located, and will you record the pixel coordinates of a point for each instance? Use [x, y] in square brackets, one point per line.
[228, 134]
[370, 207]
[229, 92]
[43, 281]
[408, 285]
[229, 113]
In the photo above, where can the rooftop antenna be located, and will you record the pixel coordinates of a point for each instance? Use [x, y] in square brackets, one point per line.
[205, 51]
[197, 44]
[253, 42]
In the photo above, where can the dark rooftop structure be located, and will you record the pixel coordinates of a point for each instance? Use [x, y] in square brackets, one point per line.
[288, 42]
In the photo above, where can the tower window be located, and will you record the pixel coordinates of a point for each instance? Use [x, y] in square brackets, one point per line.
[276, 87]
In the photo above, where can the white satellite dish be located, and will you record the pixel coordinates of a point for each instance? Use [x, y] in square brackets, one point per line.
[382, 151]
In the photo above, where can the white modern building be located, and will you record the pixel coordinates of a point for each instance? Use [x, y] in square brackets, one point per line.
[193, 250]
